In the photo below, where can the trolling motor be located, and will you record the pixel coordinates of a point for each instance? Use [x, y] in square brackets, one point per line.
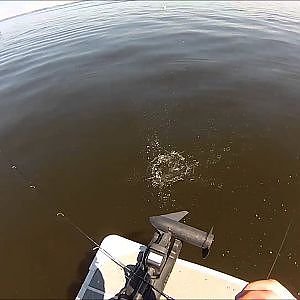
[155, 264]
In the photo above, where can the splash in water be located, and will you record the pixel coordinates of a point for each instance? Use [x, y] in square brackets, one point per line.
[170, 167]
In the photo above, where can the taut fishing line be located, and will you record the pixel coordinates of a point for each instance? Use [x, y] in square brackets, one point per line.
[29, 184]
[281, 245]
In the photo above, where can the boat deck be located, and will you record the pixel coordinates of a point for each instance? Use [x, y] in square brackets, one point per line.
[187, 280]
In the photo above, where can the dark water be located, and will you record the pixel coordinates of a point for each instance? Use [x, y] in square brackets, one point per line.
[85, 88]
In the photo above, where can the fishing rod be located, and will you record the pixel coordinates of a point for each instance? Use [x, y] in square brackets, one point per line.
[29, 184]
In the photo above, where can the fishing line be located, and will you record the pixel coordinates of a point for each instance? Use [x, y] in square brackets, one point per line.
[283, 240]
[281, 245]
[116, 261]
[29, 184]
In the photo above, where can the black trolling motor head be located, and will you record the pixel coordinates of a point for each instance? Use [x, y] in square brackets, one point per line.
[155, 264]
[185, 233]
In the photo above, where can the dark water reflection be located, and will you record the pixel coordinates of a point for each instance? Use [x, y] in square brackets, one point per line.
[86, 87]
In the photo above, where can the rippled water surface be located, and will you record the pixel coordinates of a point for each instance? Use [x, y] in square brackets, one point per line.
[89, 91]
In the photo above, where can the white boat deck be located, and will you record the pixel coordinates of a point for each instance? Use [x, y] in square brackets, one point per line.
[187, 280]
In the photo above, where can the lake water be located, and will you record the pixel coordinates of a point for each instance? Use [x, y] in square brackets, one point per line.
[92, 93]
